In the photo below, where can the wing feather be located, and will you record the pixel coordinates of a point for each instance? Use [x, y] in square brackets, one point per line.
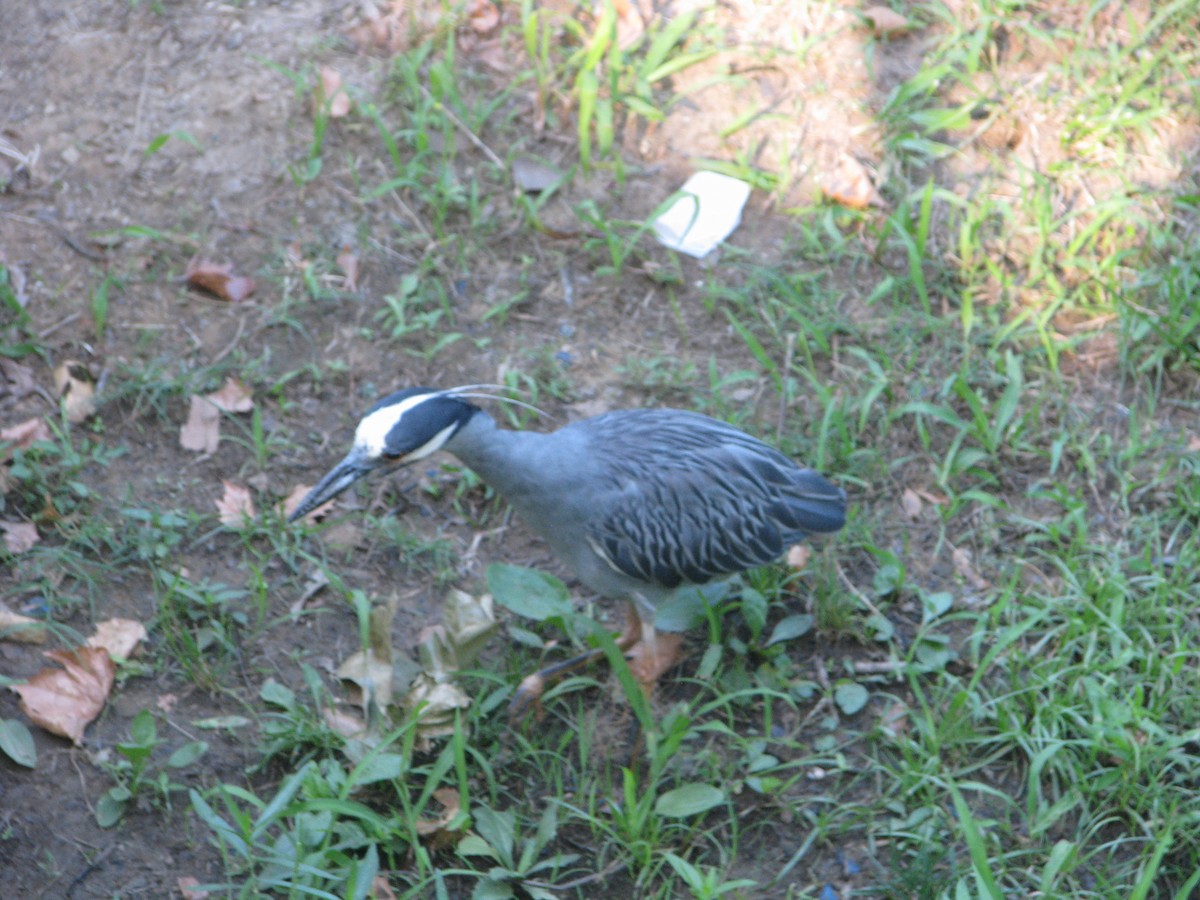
[684, 498]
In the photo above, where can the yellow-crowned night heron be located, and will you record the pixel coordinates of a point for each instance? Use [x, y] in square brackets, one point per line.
[638, 503]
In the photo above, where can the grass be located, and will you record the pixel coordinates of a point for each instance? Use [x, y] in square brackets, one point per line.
[987, 690]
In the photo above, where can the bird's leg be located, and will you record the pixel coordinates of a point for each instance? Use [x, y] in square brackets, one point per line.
[529, 691]
[653, 653]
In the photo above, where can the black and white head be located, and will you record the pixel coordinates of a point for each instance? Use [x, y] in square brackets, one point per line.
[398, 430]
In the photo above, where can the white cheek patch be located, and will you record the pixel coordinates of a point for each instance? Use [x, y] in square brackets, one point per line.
[432, 445]
[372, 431]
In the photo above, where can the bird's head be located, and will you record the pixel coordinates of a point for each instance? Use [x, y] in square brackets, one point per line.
[400, 429]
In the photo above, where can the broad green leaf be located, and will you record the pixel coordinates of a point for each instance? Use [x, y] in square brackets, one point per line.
[111, 806]
[790, 628]
[276, 694]
[381, 767]
[529, 593]
[17, 743]
[850, 697]
[498, 829]
[882, 627]
[688, 800]
[754, 610]
[187, 754]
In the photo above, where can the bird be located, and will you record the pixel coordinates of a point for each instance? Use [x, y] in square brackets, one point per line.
[638, 503]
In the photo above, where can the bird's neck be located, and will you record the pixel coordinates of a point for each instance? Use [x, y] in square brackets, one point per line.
[502, 457]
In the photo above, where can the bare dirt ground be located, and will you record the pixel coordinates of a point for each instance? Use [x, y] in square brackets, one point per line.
[89, 87]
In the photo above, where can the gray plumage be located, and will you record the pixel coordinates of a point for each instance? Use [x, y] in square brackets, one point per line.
[636, 502]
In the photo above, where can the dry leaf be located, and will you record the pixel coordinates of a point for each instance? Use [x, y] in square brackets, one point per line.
[63, 701]
[381, 889]
[120, 637]
[965, 568]
[894, 720]
[315, 584]
[482, 16]
[25, 435]
[218, 280]
[436, 832]
[886, 22]
[911, 503]
[18, 379]
[19, 628]
[346, 724]
[74, 387]
[166, 702]
[235, 508]
[1193, 443]
[189, 888]
[299, 492]
[798, 556]
[438, 703]
[372, 675]
[931, 497]
[202, 430]
[233, 397]
[19, 536]
[330, 94]
[347, 261]
[850, 185]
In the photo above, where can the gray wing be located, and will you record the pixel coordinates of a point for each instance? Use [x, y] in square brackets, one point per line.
[685, 498]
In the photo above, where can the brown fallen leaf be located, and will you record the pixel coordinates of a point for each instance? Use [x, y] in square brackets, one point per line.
[348, 725]
[966, 568]
[347, 261]
[482, 16]
[120, 637]
[19, 536]
[24, 435]
[202, 430]
[798, 556]
[19, 628]
[381, 889]
[17, 379]
[911, 503]
[895, 721]
[317, 582]
[436, 705]
[299, 492]
[76, 390]
[436, 832]
[235, 508]
[850, 185]
[330, 96]
[218, 280]
[931, 497]
[885, 22]
[189, 888]
[1193, 443]
[166, 702]
[63, 701]
[233, 397]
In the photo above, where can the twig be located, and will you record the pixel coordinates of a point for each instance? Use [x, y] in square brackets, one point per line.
[484, 148]
[862, 598]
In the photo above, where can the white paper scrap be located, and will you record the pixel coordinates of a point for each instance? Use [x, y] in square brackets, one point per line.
[709, 208]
